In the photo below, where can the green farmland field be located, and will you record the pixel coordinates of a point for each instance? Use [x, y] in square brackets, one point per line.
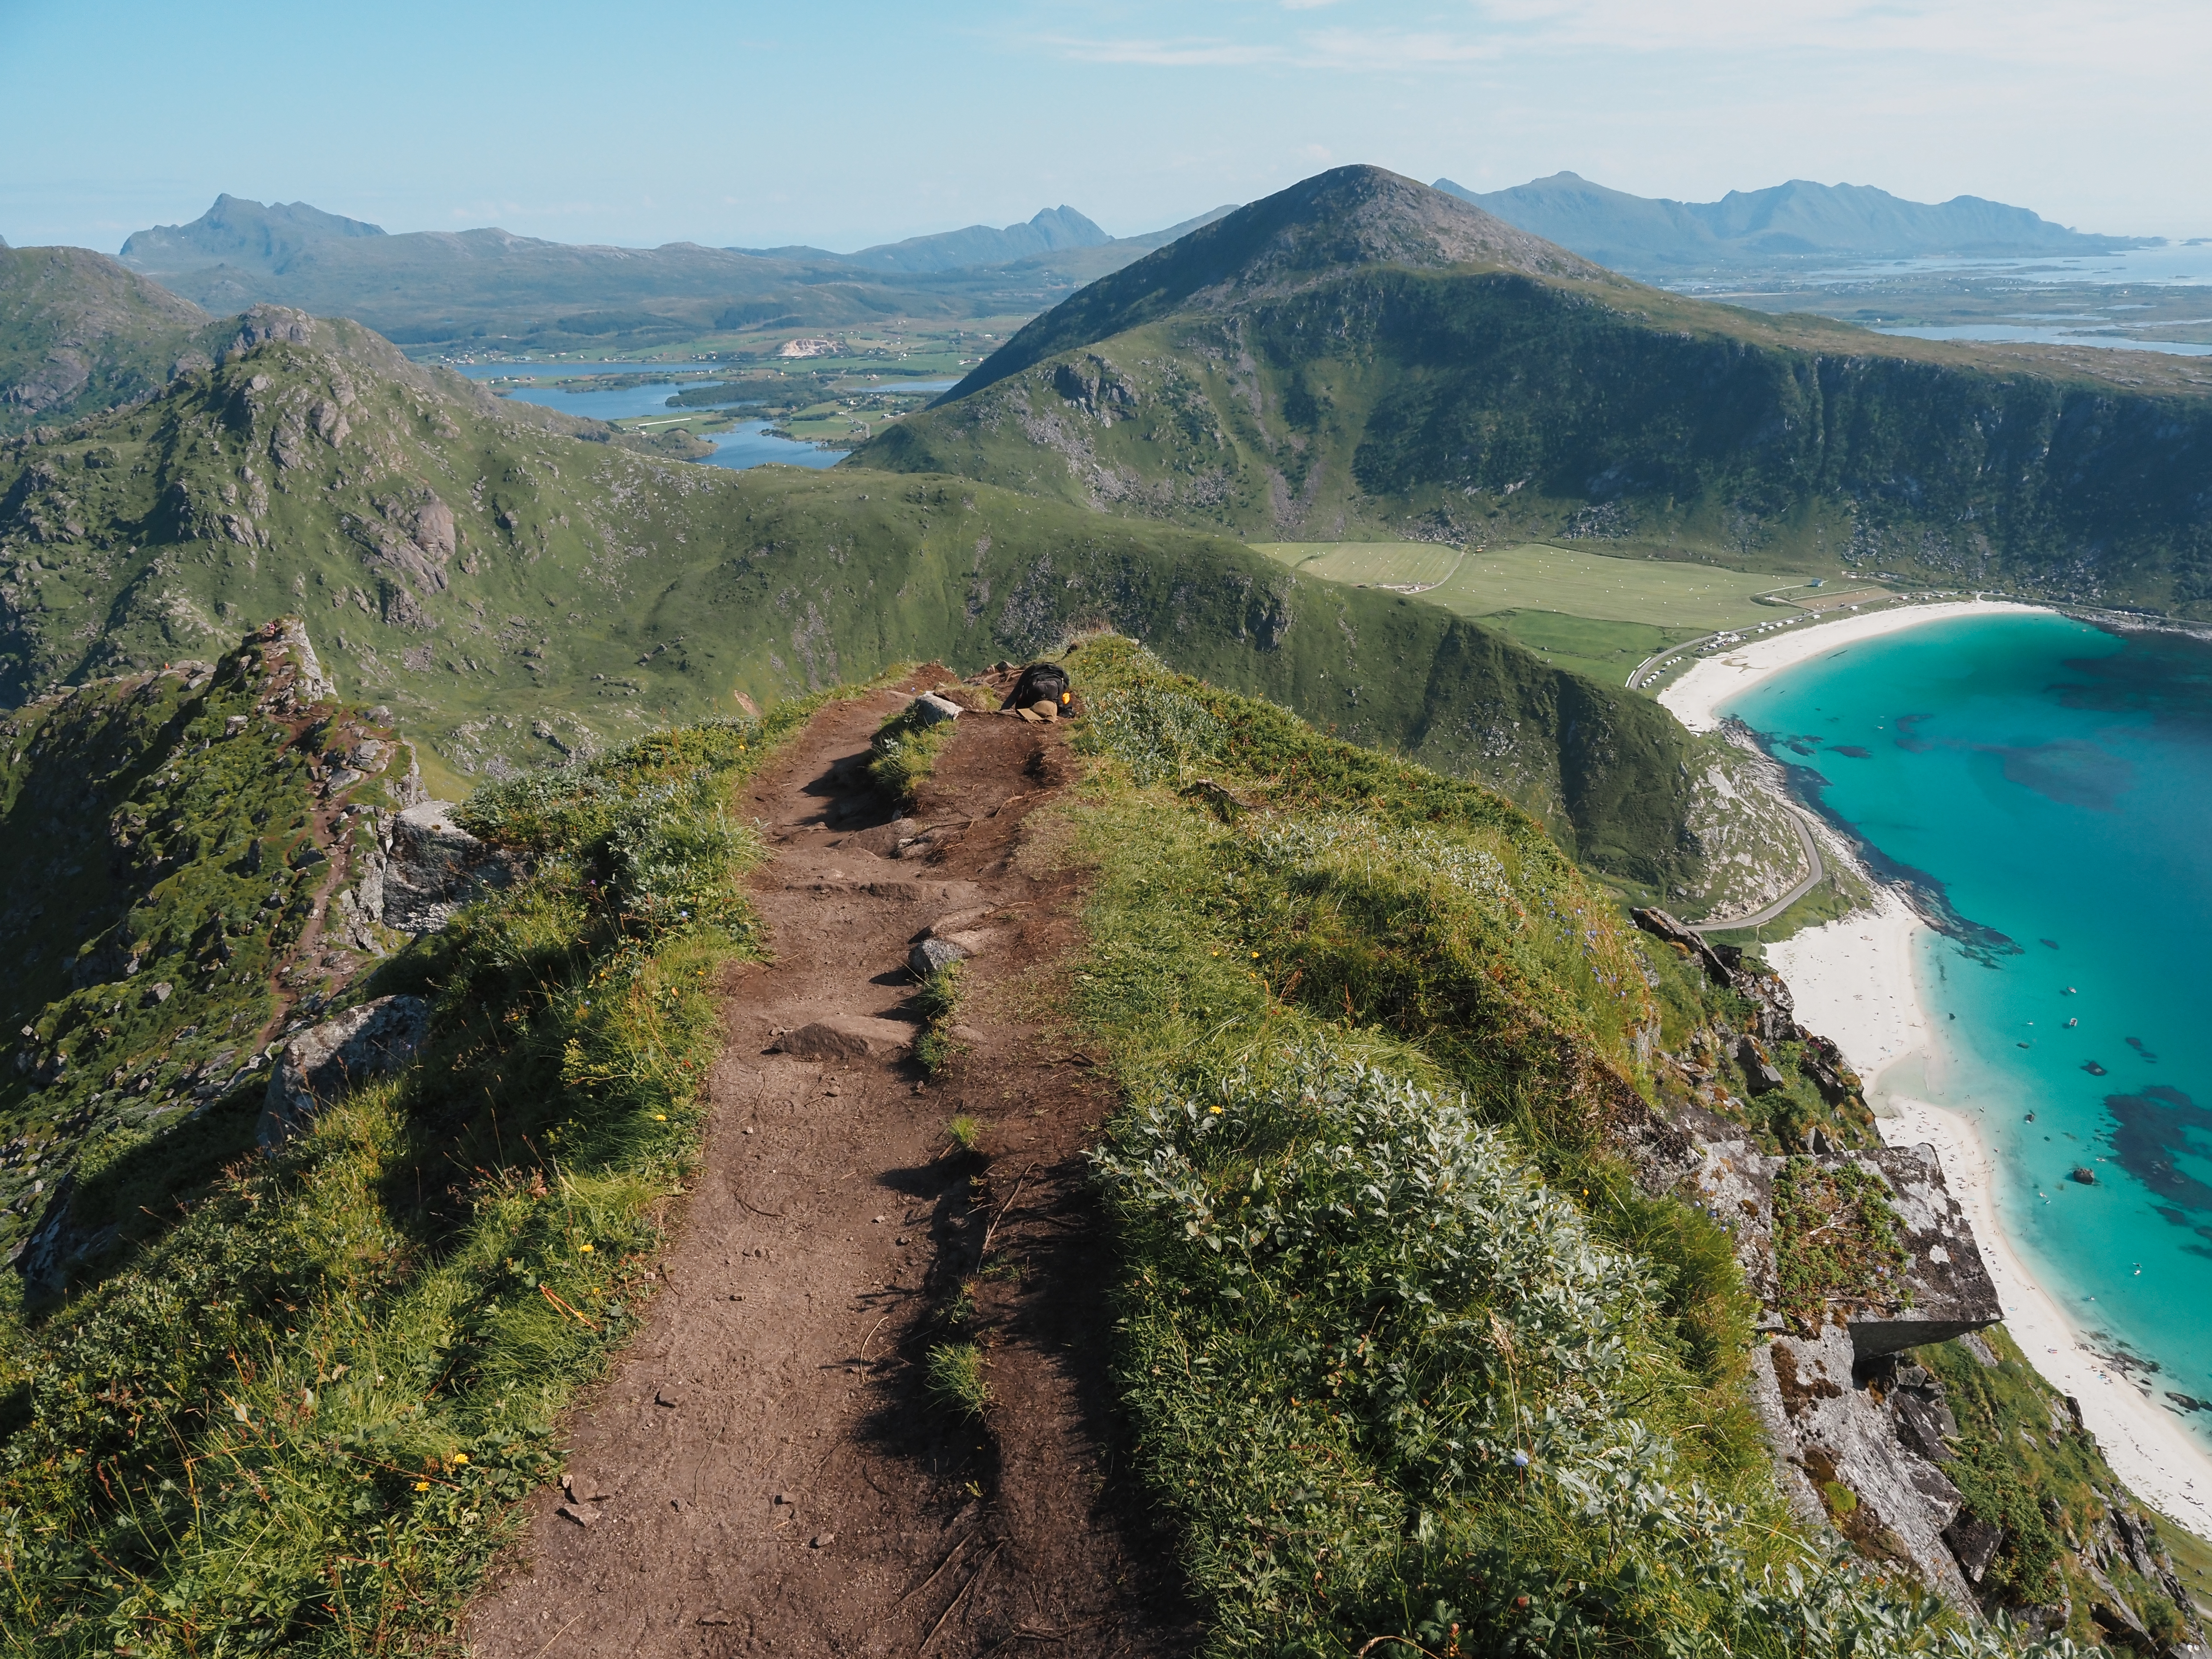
[1579, 610]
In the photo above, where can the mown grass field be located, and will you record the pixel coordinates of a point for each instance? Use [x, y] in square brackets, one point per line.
[1577, 609]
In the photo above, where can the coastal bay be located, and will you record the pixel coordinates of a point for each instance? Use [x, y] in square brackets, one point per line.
[2023, 779]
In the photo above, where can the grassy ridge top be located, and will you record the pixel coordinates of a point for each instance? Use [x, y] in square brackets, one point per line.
[1409, 1356]
[514, 595]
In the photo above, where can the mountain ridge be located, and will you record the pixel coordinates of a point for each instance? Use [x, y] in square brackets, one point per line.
[1546, 398]
[462, 287]
[260, 236]
[1351, 214]
[1796, 219]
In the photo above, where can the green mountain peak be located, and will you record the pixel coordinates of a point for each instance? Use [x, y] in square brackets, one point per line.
[1347, 218]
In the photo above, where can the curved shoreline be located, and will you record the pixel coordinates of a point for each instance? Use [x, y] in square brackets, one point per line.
[1696, 698]
[1855, 981]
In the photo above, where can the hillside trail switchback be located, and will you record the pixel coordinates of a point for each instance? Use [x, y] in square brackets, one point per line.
[763, 1470]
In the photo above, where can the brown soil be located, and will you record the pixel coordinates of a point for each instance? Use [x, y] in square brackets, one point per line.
[764, 1471]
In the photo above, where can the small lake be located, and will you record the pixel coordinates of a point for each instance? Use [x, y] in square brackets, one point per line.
[547, 371]
[617, 403]
[748, 444]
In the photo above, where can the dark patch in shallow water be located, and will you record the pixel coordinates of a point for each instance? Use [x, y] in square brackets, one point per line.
[2152, 1132]
[1908, 736]
[2166, 676]
[2067, 771]
[2052, 942]
[1852, 750]
[2137, 1044]
[2093, 1069]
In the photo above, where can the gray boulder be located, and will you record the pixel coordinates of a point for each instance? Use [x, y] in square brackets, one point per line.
[321, 1064]
[432, 868]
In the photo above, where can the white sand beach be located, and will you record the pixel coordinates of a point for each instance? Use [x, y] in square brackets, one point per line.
[1695, 699]
[1855, 981]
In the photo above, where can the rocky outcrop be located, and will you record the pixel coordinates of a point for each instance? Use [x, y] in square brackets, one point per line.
[429, 867]
[321, 1064]
[1844, 1461]
[1723, 966]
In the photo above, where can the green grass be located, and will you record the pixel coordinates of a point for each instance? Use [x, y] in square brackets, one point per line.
[953, 1376]
[1670, 599]
[1369, 563]
[295, 1417]
[939, 1002]
[1608, 651]
[1402, 1347]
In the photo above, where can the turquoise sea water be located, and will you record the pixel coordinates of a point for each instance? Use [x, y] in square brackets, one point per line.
[2046, 787]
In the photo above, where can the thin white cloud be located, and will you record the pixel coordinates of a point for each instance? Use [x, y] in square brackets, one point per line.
[2133, 35]
[1170, 54]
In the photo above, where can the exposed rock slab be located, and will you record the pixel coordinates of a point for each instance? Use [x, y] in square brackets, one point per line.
[432, 867]
[845, 1037]
[321, 1064]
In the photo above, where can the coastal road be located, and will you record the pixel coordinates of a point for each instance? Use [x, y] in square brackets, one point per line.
[1761, 918]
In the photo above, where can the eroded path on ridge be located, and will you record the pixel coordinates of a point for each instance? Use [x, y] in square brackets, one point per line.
[763, 1472]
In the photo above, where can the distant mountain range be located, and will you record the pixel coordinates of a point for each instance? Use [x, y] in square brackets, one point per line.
[236, 232]
[461, 287]
[1654, 236]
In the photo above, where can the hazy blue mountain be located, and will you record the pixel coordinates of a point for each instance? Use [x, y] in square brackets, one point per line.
[237, 231]
[1645, 235]
[1051, 230]
[466, 288]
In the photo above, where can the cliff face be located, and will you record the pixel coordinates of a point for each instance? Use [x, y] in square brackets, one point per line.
[1900, 1415]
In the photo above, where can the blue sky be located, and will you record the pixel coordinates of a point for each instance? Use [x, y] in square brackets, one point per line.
[740, 122]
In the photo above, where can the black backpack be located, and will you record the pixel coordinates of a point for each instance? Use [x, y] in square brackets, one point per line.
[1040, 681]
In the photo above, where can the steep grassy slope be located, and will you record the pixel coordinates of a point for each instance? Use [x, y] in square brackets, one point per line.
[1420, 388]
[173, 849]
[514, 594]
[1409, 1359]
[79, 332]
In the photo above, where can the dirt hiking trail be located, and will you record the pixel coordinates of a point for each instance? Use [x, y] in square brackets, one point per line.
[763, 1471]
